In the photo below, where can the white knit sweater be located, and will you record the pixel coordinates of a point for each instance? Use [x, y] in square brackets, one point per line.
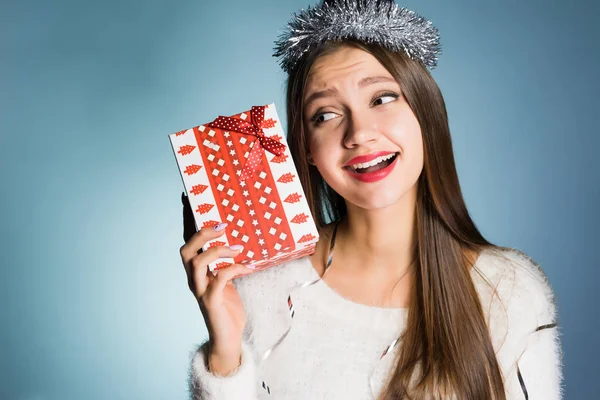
[333, 348]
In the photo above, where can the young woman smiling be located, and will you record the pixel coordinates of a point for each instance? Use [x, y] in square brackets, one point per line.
[403, 298]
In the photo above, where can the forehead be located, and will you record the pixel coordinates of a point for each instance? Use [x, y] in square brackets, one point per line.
[344, 65]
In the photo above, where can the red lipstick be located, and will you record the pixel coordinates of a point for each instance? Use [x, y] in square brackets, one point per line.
[371, 176]
[367, 157]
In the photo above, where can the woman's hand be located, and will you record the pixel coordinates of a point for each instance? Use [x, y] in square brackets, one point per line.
[219, 301]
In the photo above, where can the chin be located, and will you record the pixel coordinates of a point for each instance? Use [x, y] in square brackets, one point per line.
[374, 201]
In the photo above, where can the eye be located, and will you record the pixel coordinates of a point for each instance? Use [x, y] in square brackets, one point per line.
[385, 98]
[322, 117]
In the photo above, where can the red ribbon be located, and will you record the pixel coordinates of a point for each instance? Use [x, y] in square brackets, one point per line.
[253, 127]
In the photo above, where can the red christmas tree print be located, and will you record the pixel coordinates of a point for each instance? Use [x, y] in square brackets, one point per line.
[286, 178]
[222, 265]
[306, 238]
[276, 137]
[217, 243]
[279, 159]
[300, 218]
[210, 224]
[187, 149]
[181, 132]
[292, 198]
[197, 189]
[204, 208]
[268, 123]
[192, 169]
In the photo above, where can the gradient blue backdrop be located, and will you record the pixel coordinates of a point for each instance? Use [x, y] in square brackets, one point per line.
[94, 300]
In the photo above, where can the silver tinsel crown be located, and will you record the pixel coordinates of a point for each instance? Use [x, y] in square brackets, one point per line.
[381, 22]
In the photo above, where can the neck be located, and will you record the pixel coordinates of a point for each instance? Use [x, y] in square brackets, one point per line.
[379, 241]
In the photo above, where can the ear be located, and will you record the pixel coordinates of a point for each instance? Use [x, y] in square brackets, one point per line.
[310, 159]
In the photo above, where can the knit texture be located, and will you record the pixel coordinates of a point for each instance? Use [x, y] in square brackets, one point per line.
[333, 349]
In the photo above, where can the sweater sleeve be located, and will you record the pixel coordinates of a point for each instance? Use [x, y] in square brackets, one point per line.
[527, 331]
[238, 385]
[539, 368]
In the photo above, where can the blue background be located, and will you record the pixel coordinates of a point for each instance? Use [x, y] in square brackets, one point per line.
[94, 299]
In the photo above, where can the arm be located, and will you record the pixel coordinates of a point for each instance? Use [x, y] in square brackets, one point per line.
[241, 383]
[537, 373]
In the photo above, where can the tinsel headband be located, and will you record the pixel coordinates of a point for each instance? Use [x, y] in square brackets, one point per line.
[380, 22]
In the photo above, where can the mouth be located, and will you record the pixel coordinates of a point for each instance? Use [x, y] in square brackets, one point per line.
[374, 170]
[375, 165]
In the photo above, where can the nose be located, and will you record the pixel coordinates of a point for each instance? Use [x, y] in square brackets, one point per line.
[361, 130]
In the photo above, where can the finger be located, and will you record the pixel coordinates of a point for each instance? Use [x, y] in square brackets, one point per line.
[216, 252]
[189, 226]
[226, 274]
[199, 239]
[199, 276]
[197, 266]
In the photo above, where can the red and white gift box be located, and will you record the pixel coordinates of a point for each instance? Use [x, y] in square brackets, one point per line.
[239, 170]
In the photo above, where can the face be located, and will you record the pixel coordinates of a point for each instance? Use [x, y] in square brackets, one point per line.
[353, 107]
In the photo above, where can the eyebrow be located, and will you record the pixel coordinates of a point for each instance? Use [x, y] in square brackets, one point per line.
[370, 80]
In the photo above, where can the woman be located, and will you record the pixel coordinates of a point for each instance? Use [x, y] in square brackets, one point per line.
[403, 298]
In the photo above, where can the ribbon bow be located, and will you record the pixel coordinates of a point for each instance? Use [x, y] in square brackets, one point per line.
[253, 127]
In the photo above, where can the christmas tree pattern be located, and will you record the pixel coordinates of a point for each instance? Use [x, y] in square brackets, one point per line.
[187, 149]
[216, 243]
[268, 123]
[222, 265]
[181, 132]
[192, 169]
[286, 178]
[279, 159]
[276, 137]
[292, 198]
[210, 224]
[306, 238]
[204, 208]
[300, 218]
[197, 189]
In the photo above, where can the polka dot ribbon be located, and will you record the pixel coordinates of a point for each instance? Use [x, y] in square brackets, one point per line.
[270, 350]
[253, 127]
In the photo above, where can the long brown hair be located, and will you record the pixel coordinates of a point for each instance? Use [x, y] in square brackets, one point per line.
[446, 347]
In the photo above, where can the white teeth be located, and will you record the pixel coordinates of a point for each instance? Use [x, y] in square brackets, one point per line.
[373, 162]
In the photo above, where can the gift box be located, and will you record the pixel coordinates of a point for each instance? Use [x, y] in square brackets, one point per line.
[239, 170]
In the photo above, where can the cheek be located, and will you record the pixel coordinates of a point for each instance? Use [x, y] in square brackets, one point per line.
[414, 144]
[320, 148]
[325, 158]
[406, 133]
[412, 156]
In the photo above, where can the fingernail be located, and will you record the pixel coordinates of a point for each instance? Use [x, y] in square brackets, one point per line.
[221, 226]
[250, 266]
[236, 247]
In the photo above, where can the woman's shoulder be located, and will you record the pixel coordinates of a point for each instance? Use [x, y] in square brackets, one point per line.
[510, 280]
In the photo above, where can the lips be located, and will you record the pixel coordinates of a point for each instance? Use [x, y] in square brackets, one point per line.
[372, 176]
[367, 157]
